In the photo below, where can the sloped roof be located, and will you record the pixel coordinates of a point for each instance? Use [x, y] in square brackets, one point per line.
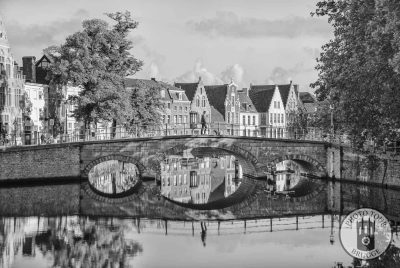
[261, 96]
[189, 88]
[130, 82]
[246, 99]
[307, 97]
[216, 95]
[284, 90]
[216, 116]
[174, 95]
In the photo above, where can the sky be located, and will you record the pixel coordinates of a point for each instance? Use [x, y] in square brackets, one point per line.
[246, 41]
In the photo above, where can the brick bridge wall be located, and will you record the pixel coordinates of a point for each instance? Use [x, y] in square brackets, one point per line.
[76, 159]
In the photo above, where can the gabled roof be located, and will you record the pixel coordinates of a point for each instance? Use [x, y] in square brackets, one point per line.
[306, 97]
[284, 90]
[189, 88]
[44, 57]
[244, 99]
[130, 82]
[261, 96]
[175, 94]
[216, 95]
[216, 116]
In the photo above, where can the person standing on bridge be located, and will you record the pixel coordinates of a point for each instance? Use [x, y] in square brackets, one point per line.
[203, 123]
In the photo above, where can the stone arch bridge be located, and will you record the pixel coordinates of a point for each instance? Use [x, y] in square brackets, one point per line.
[74, 160]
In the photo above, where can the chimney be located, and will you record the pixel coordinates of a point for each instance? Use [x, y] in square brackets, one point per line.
[153, 79]
[29, 69]
[245, 90]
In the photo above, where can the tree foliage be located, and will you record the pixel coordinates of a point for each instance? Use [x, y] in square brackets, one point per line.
[98, 59]
[359, 69]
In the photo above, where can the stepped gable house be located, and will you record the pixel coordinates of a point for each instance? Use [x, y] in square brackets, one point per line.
[225, 100]
[199, 102]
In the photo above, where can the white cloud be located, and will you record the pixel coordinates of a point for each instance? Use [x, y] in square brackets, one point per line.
[230, 24]
[234, 72]
[199, 71]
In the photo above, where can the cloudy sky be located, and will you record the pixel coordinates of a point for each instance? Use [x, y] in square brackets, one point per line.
[249, 41]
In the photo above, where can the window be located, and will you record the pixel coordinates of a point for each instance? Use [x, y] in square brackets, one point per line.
[169, 105]
[236, 118]
[176, 108]
[175, 119]
[270, 121]
[180, 96]
[180, 119]
[229, 117]
[169, 119]
[184, 179]
[279, 104]
[203, 101]
[186, 108]
[274, 118]
[174, 180]
[282, 118]
[185, 119]
[180, 108]
[248, 120]
[180, 179]
[232, 100]
[198, 101]
[254, 120]
[162, 94]
[279, 118]
[244, 120]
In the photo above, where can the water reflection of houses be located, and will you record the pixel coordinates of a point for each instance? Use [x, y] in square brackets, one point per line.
[287, 175]
[113, 176]
[198, 180]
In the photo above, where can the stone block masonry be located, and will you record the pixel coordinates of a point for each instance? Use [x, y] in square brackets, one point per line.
[72, 159]
[40, 162]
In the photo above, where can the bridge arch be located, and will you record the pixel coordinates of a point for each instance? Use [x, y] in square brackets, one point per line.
[119, 157]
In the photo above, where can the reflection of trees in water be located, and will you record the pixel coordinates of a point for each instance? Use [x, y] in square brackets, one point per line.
[114, 176]
[92, 246]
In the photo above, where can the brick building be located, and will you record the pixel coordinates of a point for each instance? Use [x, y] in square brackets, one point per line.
[11, 91]
[199, 103]
[226, 103]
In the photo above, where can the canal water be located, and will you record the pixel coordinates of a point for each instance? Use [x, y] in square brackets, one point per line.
[191, 210]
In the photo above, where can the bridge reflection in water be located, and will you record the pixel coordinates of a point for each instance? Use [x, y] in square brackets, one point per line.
[199, 202]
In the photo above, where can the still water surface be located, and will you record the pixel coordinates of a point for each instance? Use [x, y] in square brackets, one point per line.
[196, 212]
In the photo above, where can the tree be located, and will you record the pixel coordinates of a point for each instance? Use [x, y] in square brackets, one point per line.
[98, 59]
[359, 70]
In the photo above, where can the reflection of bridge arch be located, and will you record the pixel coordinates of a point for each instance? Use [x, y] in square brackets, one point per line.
[247, 160]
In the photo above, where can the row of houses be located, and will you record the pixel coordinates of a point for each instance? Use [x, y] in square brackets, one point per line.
[260, 110]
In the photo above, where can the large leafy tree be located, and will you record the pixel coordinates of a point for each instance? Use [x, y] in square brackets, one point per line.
[98, 59]
[359, 69]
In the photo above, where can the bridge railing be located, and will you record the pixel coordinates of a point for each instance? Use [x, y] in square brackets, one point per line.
[142, 131]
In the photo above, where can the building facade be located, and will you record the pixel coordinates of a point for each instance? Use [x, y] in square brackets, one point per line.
[11, 93]
[37, 95]
[199, 103]
[268, 102]
[249, 117]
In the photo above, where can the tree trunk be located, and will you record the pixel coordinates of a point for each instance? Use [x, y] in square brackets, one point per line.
[113, 128]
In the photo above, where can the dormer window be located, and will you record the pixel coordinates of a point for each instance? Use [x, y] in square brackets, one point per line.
[180, 96]
[162, 94]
